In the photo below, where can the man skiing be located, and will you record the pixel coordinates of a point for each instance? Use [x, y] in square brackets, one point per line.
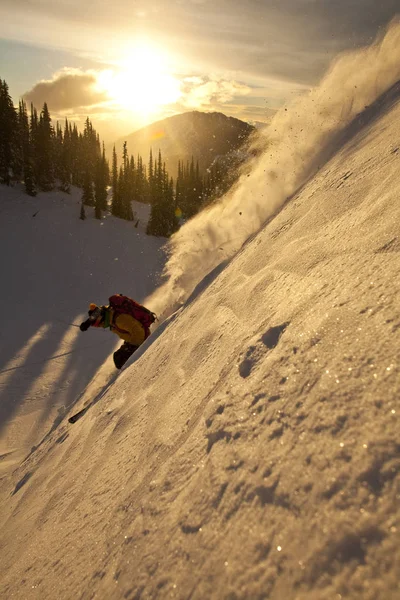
[125, 317]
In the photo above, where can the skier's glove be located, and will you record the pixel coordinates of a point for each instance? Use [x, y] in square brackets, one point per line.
[85, 325]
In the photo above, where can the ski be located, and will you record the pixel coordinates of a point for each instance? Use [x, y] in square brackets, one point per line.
[78, 415]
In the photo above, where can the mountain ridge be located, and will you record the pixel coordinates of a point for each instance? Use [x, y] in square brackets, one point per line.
[200, 135]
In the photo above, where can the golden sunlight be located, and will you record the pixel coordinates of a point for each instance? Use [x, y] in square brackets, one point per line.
[141, 83]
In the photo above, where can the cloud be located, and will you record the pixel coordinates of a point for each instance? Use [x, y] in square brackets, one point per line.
[203, 92]
[291, 40]
[69, 89]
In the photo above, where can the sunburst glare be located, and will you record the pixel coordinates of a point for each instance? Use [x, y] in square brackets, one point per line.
[141, 82]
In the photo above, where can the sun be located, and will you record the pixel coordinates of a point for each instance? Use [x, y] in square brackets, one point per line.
[141, 82]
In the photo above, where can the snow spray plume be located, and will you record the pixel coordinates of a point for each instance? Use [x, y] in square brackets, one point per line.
[292, 147]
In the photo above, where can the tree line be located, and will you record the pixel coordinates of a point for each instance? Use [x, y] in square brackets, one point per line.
[42, 157]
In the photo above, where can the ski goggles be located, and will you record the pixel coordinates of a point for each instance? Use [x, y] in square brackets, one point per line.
[96, 316]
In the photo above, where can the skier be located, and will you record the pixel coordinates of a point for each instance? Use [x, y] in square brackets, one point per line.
[125, 317]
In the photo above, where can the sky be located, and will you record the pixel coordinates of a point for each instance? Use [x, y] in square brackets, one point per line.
[126, 64]
[249, 448]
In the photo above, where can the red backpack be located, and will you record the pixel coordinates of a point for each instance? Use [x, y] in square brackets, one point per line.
[124, 305]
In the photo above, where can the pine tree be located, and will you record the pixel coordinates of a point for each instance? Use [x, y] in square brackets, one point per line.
[132, 179]
[26, 148]
[90, 153]
[8, 135]
[125, 156]
[191, 203]
[179, 189]
[44, 151]
[65, 160]
[75, 141]
[150, 178]
[33, 136]
[189, 189]
[100, 185]
[141, 181]
[106, 178]
[124, 187]
[18, 151]
[87, 193]
[124, 204]
[115, 205]
[58, 152]
[162, 218]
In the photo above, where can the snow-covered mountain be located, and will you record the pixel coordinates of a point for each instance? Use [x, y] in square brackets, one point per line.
[250, 448]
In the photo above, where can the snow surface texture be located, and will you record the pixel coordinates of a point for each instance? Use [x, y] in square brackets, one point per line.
[250, 450]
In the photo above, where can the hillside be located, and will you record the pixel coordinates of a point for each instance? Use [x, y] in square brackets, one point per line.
[249, 449]
[53, 265]
[201, 135]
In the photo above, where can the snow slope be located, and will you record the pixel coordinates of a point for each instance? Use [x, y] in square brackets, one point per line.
[52, 266]
[250, 450]
[299, 140]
